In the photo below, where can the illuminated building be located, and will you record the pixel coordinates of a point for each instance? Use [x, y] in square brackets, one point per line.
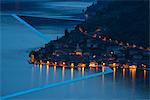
[81, 65]
[93, 64]
[133, 67]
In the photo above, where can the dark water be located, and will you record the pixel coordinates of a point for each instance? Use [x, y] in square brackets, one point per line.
[119, 85]
[17, 75]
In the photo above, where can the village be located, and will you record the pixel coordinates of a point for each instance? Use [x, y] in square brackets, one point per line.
[78, 49]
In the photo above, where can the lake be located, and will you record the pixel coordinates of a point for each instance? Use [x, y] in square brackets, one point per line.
[18, 75]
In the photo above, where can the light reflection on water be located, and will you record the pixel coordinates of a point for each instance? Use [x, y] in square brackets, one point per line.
[123, 72]
[63, 73]
[144, 74]
[82, 71]
[114, 74]
[126, 76]
[133, 73]
[47, 73]
[71, 73]
[131, 80]
[40, 78]
[54, 70]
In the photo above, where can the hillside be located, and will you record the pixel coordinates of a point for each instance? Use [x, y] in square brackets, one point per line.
[122, 20]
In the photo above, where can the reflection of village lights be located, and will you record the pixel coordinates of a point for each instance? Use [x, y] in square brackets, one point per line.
[144, 74]
[103, 69]
[82, 71]
[41, 62]
[34, 65]
[96, 69]
[72, 73]
[40, 65]
[47, 65]
[47, 73]
[63, 72]
[79, 68]
[40, 71]
[114, 73]
[54, 70]
[123, 73]
[133, 73]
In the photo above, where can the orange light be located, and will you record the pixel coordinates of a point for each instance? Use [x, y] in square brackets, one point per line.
[123, 72]
[72, 65]
[93, 64]
[103, 64]
[55, 64]
[82, 71]
[125, 66]
[133, 72]
[78, 53]
[114, 73]
[133, 67]
[113, 65]
[64, 63]
[81, 65]
[144, 74]
[32, 58]
[47, 63]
